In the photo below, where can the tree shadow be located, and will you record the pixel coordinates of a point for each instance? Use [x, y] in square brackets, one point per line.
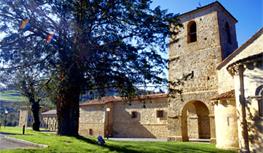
[122, 149]
[8, 133]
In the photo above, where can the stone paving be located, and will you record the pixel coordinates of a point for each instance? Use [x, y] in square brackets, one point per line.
[6, 143]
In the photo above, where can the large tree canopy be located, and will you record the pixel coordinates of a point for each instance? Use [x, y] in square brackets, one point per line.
[85, 45]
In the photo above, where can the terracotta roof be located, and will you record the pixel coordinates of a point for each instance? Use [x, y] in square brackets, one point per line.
[225, 95]
[110, 99]
[240, 49]
[208, 6]
[50, 112]
[102, 100]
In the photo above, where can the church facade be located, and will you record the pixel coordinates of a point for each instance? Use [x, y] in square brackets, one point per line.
[222, 98]
[207, 37]
[216, 90]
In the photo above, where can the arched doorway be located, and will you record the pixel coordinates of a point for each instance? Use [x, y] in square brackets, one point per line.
[195, 121]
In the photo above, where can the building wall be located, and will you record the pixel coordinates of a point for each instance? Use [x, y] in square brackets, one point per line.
[92, 120]
[226, 46]
[255, 47]
[23, 117]
[252, 80]
[226, 118]
[119, 123]
[225, 80]
[146, 124]
[201, 58]
[50, 122]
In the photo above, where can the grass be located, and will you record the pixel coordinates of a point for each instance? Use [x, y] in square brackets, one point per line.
[11, 95]
[63, 144]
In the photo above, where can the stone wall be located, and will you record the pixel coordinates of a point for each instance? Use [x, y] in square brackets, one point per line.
[92, 120]
[146, 124]
[200, 58]
[50, 122]
[23, 117]
[226, 46]
[118, 121]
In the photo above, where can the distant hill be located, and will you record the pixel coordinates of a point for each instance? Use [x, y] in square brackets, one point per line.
[11, 96]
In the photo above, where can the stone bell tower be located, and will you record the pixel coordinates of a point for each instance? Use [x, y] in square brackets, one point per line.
[207, 37]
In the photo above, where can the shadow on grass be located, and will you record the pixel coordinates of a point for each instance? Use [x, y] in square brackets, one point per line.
[86, 140]
[154, 147]
[120, 149]
[7, 133]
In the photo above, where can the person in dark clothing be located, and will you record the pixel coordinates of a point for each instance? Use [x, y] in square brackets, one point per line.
[101, 140]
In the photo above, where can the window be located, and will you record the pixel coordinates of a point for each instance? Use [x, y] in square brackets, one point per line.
[228, 33]
[159, 113]
[259, 94]
[260, 107]
[134, 114]
[192, 36]
[90, 132]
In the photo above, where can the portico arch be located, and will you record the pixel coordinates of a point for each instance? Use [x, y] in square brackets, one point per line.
[195, 121]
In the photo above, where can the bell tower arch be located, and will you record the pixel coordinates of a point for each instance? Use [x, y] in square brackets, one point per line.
[206, 38]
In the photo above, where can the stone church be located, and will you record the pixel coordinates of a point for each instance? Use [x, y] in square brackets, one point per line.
[218, 90]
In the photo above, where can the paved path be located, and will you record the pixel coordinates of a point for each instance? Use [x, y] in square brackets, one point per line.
[11, 143]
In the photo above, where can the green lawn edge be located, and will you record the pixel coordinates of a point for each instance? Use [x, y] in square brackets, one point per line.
[64, 144]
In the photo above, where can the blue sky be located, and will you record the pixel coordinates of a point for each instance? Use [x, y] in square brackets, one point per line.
[249, 13]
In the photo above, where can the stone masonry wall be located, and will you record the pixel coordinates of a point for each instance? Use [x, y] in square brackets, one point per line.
[227, 47]
[201, 58]
[23, 117]
[92, 120]
[146, 124]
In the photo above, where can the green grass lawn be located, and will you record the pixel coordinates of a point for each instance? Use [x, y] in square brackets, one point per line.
[11, 95]
[63, 144]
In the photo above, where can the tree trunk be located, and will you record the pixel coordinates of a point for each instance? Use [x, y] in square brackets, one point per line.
[68, 103]
[35, 110]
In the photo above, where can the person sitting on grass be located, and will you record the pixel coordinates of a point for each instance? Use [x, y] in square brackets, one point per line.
[101, 140]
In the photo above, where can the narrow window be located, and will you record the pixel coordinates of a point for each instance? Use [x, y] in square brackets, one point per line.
[192, 36]
[228, 122]
[90, 132]
[133, 114]
[259, 94]
[260, 107]
[228, 33]
[159, 113]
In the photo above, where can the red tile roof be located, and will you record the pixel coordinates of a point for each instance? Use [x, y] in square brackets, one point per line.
[110, 99]
[225, 95]
[50, 112]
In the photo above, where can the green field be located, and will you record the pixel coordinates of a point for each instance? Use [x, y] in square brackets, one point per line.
[63, 144]
[11, 95]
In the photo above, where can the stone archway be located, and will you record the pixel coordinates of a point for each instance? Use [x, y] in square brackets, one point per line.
[195, 121]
